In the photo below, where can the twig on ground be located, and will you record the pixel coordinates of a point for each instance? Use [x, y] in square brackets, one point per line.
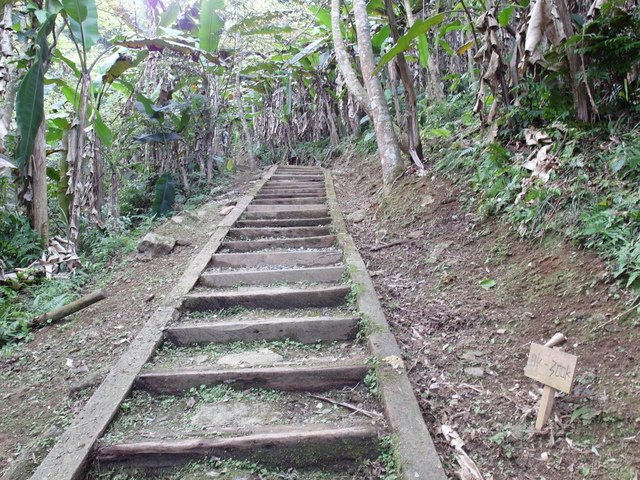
[388, 245]
[348, 406]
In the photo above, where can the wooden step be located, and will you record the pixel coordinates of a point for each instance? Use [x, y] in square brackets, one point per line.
[298, 190]
[266, 196]
[293, 379]
[278, 243]
[287, 208]
[270, 213]
[278, 232]
[290, 201]
[299, 177]
[262, 259]
[266, 277]
[276, 297]
[284, 447]
[299, 329]
[284, 222]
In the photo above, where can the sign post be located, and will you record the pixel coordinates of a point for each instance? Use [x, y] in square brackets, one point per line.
[555, 369]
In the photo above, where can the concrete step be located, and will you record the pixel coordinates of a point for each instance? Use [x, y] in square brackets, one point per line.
[271, 297]
[266, 259]
[299, 329]
[277, 232]
[305, 177]
[266, 277]
[286, 208]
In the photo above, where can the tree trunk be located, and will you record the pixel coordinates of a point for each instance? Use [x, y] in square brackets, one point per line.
[114, 200]
[390, 157]
[355, 88]
[8, 77]
[75, 156]
[245, 127]
[39, 205]
[586, 110]
[434, 84]
[413, 127]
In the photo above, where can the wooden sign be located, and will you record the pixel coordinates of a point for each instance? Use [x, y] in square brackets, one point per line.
[551, 367]
[555, 369]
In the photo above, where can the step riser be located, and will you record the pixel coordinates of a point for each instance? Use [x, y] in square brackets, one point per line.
[241, 246]
[306, 178]
[232, 279]
[303, 330]
[294, 196]
[287, 208]
[289, 259]
[286, 214]
[296, 190]
[290, 232]
[284, 222]
[290, 449]
[289, 379]
[330, 297]
[290, 201]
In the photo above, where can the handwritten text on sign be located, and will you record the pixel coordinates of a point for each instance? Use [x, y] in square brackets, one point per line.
[551, 367]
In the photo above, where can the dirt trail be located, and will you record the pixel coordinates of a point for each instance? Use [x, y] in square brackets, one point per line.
[466, 346]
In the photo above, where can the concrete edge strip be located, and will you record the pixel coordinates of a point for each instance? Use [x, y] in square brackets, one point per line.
[68, 458]
[416, 452]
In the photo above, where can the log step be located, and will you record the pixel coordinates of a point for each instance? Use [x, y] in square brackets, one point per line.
[267, 196]
[262, 259]
[277, 232]
[266, 277]
[284, 222]
[324, 241]
[290, 379]
[297, 190]
[290, 201]
[282, 447]
[305, 177]
[269, 213]
[279, 297]
[299, 329]
[287, 208]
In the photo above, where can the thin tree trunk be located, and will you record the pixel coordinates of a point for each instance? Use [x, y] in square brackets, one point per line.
[245, 126]
[114, 198]
[355, 88]
[76, 162]
[413, 128]
[434, 84]
[39, 205]
[390, 157]
[8, 77]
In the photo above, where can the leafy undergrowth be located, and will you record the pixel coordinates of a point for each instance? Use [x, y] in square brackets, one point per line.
[30, 295]
[466, 296]
[580, 183]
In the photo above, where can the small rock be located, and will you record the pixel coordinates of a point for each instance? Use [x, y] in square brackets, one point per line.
[251, 358]
[471, 355]
[155, 245]
[501, 331]
[357, 216]
[200, 359]
[438, 249]
[427, 200]
[150, 297]
[414, 235]
[474, 371]
[177, 219]
[227, 210]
